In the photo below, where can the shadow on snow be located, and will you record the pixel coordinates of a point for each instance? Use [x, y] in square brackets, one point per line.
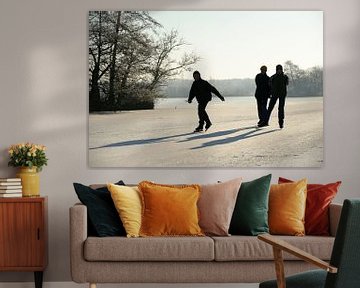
[199, 136]
[232, 139]
[141, 141]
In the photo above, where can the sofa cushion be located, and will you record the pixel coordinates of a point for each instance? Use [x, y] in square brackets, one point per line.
[149, 249]
[245, 248]
[287, 204]
[169, 210]
[250, 215]
[318, 199]
[127, 201]
[102, 215]
[216, 206]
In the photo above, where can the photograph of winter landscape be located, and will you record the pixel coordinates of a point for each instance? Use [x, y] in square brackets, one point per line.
[205, 89]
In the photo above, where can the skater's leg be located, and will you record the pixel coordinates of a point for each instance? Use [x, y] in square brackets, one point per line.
[281, 111]
[263, 109]
[203, 116]
[272, 103]
[259, 109]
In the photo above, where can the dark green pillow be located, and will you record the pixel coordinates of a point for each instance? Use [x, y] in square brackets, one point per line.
[250, 216]
[103, 218]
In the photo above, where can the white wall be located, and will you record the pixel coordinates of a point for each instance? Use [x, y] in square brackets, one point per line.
[43, 82]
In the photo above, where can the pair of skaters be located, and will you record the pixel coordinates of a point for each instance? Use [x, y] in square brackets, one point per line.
[265, 86]
[274, 87]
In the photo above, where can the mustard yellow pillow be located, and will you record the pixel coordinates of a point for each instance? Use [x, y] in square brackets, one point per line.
[127, 201]
[287, 204]
[169, 210]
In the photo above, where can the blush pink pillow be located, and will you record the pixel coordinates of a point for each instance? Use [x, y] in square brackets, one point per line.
[216, 206]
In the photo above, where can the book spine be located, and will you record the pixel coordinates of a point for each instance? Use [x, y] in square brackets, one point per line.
[10, 195]
[10, 179]
[10, 183]
[10, 191]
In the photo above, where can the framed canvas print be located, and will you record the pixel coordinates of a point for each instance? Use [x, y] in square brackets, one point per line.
[205, 88]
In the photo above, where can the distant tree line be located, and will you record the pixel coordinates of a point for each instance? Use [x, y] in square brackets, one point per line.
[307, 82]
[130, 59]
[227, 87]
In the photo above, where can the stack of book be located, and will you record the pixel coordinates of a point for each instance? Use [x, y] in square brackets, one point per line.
[10, 187]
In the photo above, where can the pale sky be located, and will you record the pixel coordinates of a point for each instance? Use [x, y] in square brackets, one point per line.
[234, 44]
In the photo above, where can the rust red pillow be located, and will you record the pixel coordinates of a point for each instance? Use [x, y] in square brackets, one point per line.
[319, 197]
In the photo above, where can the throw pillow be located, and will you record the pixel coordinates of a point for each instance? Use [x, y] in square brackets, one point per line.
[127, 201]
[319, 197]
[250, 215]
[102, 215]
[216, 206]
[169, 210]
[287, 204]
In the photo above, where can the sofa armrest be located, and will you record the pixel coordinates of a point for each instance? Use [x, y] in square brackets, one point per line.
[334, 217]
[78, 235]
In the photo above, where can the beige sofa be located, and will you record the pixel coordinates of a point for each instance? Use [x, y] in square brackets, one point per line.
[234, 259]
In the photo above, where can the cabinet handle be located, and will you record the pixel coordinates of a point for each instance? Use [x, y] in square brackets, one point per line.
[38, 234]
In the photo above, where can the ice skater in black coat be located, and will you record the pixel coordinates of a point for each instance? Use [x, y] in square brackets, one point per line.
[262, 94]
[278, 86]
[201, 90]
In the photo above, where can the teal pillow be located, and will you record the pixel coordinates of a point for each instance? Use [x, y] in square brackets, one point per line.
[250, 216]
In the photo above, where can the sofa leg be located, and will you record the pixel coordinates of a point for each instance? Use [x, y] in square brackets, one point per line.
[92, 285]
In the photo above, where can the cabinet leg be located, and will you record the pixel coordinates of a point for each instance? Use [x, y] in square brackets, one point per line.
[38, 279]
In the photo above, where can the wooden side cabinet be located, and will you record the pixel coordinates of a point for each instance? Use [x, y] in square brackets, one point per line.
[23, 235]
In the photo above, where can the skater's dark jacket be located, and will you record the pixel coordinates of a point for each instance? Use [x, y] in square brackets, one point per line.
[262, 86]
[278, 83]
[202, 90]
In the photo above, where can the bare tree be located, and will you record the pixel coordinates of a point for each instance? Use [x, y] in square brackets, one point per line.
[304, 82]
[113, 60]
[130, 58]
[165, 66]
[99, 49]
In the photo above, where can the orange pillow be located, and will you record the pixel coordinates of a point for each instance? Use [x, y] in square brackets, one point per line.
[169, 210]
[319, 197]
[287, 204]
